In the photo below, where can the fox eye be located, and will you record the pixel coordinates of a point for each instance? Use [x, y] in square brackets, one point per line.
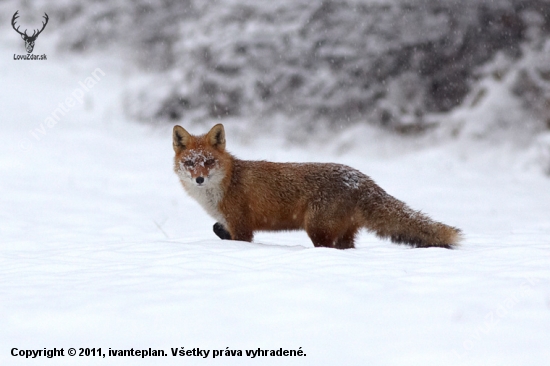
[189, 163]
[209, 162]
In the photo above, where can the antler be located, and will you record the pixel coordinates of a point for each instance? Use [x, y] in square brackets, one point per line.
[34, 34]
[43, 25]
[15, 16]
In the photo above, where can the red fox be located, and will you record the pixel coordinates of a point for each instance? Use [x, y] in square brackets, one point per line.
[331, 202]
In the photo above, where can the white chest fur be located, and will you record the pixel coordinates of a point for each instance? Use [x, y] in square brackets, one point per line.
[209, 199]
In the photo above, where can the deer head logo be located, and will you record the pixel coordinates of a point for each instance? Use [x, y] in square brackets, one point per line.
[29, 40]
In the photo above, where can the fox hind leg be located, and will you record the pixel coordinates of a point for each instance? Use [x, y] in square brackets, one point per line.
[320, 233]
[321, 237]
[347, 240]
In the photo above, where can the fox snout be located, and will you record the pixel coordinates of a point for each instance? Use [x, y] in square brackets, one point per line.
[197, 171]
[199, 179]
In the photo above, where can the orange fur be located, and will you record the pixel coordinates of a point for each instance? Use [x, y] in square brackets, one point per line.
[332, 202]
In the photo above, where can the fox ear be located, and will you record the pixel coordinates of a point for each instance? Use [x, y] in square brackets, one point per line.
[180, 138]
[216, 137]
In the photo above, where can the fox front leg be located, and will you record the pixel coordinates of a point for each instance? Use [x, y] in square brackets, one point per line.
[221, 232]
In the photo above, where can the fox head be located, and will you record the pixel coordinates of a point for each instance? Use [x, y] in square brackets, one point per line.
[199, 160]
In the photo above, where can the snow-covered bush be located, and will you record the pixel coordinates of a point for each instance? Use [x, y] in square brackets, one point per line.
[392, 63]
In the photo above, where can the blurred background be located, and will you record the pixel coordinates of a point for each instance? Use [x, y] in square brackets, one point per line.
[431, 71]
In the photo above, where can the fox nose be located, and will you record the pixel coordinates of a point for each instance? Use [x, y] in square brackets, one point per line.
[199, 180]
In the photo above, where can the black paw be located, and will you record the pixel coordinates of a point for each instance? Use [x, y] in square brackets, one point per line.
[220, 231]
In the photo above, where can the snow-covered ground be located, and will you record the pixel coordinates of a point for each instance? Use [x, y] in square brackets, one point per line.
[101, 247]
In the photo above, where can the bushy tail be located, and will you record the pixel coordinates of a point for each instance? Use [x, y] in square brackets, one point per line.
[392, 219]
